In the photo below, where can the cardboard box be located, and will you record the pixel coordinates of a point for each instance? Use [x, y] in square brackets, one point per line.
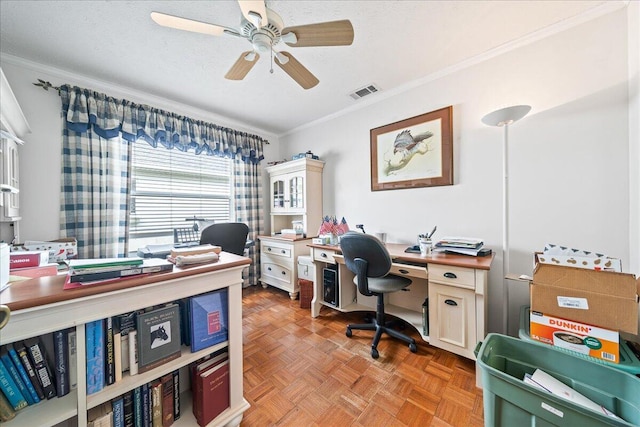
[592, 263]
[24, 259]
[59, 249]
[601, 298]
[585, 339]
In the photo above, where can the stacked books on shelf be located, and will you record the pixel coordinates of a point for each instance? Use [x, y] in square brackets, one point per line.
[101, 270]
[201, 254]
[210, 387]
[462, 245]
[36, 369]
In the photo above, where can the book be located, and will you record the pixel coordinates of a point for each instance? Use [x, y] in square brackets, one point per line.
[97, 263]
[73, 359]
[86, 277]
[155, 388]
[214, 390]
[137, 407]
[209, 319]
[109, 354]
[128, 409]
[117, 356]
[101, 415]
[196, 386]
[167, 399]
[6, 409]
[15, 375]
[24, 376]
[38, 357]
[185, 322]
[176, 395]
[124, 323]
[146, 406]
[10, 389]
[95, 355]
[194, 250]
[133, 352]
[158, 336]
[61, 361]
[23, 354]
[118, 411]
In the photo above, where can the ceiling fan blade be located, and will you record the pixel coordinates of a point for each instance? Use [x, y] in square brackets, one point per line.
[255, 10]
[334, 33]
[185, 24]
[242, 66]
[297, 71]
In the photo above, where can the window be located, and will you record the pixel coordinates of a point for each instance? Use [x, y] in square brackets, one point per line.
[169, 186]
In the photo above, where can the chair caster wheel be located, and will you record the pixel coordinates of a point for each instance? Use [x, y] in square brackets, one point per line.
[374, 353]
[348, 333]
[413, 348]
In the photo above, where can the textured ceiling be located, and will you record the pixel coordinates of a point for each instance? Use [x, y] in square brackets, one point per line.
[396, 42]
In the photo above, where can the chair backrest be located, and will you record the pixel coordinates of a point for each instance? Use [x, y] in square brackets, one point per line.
[231, 236]
[365, 256]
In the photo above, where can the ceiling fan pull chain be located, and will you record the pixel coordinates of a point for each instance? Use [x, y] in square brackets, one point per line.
[271, 70]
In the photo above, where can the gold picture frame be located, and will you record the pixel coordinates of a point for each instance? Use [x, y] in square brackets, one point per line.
[412, 153]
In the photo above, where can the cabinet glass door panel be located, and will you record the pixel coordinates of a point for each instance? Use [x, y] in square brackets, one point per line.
[296, 192]
[278, 194]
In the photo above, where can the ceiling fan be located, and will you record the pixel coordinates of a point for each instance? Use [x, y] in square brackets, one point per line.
[265, 30]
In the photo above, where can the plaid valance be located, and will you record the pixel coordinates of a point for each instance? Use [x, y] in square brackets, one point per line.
[109, 117]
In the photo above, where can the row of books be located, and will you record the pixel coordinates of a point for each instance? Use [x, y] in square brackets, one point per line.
[154, 404]
[36, 369]
[139, 341]
[210, 386]
[89, 271]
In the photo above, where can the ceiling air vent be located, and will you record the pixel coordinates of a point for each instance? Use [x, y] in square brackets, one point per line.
[362, 92]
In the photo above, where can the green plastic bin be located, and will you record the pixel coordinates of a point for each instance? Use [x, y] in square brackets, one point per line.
[509, 402]
[628, 361]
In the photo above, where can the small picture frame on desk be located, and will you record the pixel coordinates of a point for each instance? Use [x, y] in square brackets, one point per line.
[412, 153]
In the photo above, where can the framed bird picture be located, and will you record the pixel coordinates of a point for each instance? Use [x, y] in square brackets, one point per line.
[412, 153]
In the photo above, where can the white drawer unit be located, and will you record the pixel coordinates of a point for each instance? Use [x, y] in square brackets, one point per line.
[278, 262]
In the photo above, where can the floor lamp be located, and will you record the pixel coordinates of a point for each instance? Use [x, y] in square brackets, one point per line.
[504, 118]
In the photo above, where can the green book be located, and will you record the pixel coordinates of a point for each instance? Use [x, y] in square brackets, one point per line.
[80, 264]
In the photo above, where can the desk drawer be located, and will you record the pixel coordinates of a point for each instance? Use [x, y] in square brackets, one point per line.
[278, 272]
[411, 271]
[454, 276]
[280, 250]
[324, 255]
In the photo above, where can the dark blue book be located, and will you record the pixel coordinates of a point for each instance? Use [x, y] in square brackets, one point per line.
[23, 354]
[13, 354]
[109, 354]
[209, 319]
[118, 411]
[40, 362]
[61, 361]
[15, 376]
[95, 356]
[128, 409]
[176, 395]
[137, 407]
[10, 389]
[146, 405]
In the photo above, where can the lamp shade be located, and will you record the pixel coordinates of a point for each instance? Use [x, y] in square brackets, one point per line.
[506, 116]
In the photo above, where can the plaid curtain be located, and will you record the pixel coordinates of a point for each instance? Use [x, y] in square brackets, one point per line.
[248, 209]
[96, 141]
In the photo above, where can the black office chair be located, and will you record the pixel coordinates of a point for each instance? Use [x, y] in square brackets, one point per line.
[231, 236]
[369, 260]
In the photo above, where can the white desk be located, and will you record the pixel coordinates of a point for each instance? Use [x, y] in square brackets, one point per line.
[456, 286]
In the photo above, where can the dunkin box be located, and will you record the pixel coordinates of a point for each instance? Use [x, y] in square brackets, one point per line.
[575, 336]
[605, 299]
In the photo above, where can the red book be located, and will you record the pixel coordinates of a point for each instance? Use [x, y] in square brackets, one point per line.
[213, 392]
[41, 271]
[167, 399]
[196, 385]
[24, 259]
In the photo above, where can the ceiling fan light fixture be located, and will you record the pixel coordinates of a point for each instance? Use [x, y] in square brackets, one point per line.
[289, 38]
[255, 18]
[251, 56]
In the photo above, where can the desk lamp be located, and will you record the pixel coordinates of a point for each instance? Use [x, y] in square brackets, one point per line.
[504, 118]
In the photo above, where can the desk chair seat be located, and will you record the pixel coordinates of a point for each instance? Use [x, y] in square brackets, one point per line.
[369, 260]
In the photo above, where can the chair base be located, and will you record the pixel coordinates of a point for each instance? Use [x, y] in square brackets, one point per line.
[381, 327]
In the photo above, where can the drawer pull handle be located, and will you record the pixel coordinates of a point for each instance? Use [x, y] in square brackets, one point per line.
[323, 255]
[450, 302]
[403, 271]
[283, 251]
[284, 273]
[269, 249]
[450, 276]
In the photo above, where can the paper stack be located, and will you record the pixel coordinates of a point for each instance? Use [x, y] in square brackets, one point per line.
[462, 245]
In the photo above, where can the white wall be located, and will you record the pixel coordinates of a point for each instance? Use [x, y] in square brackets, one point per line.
[569, 167]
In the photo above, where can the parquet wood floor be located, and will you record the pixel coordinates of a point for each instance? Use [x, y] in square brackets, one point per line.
[300, 371]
